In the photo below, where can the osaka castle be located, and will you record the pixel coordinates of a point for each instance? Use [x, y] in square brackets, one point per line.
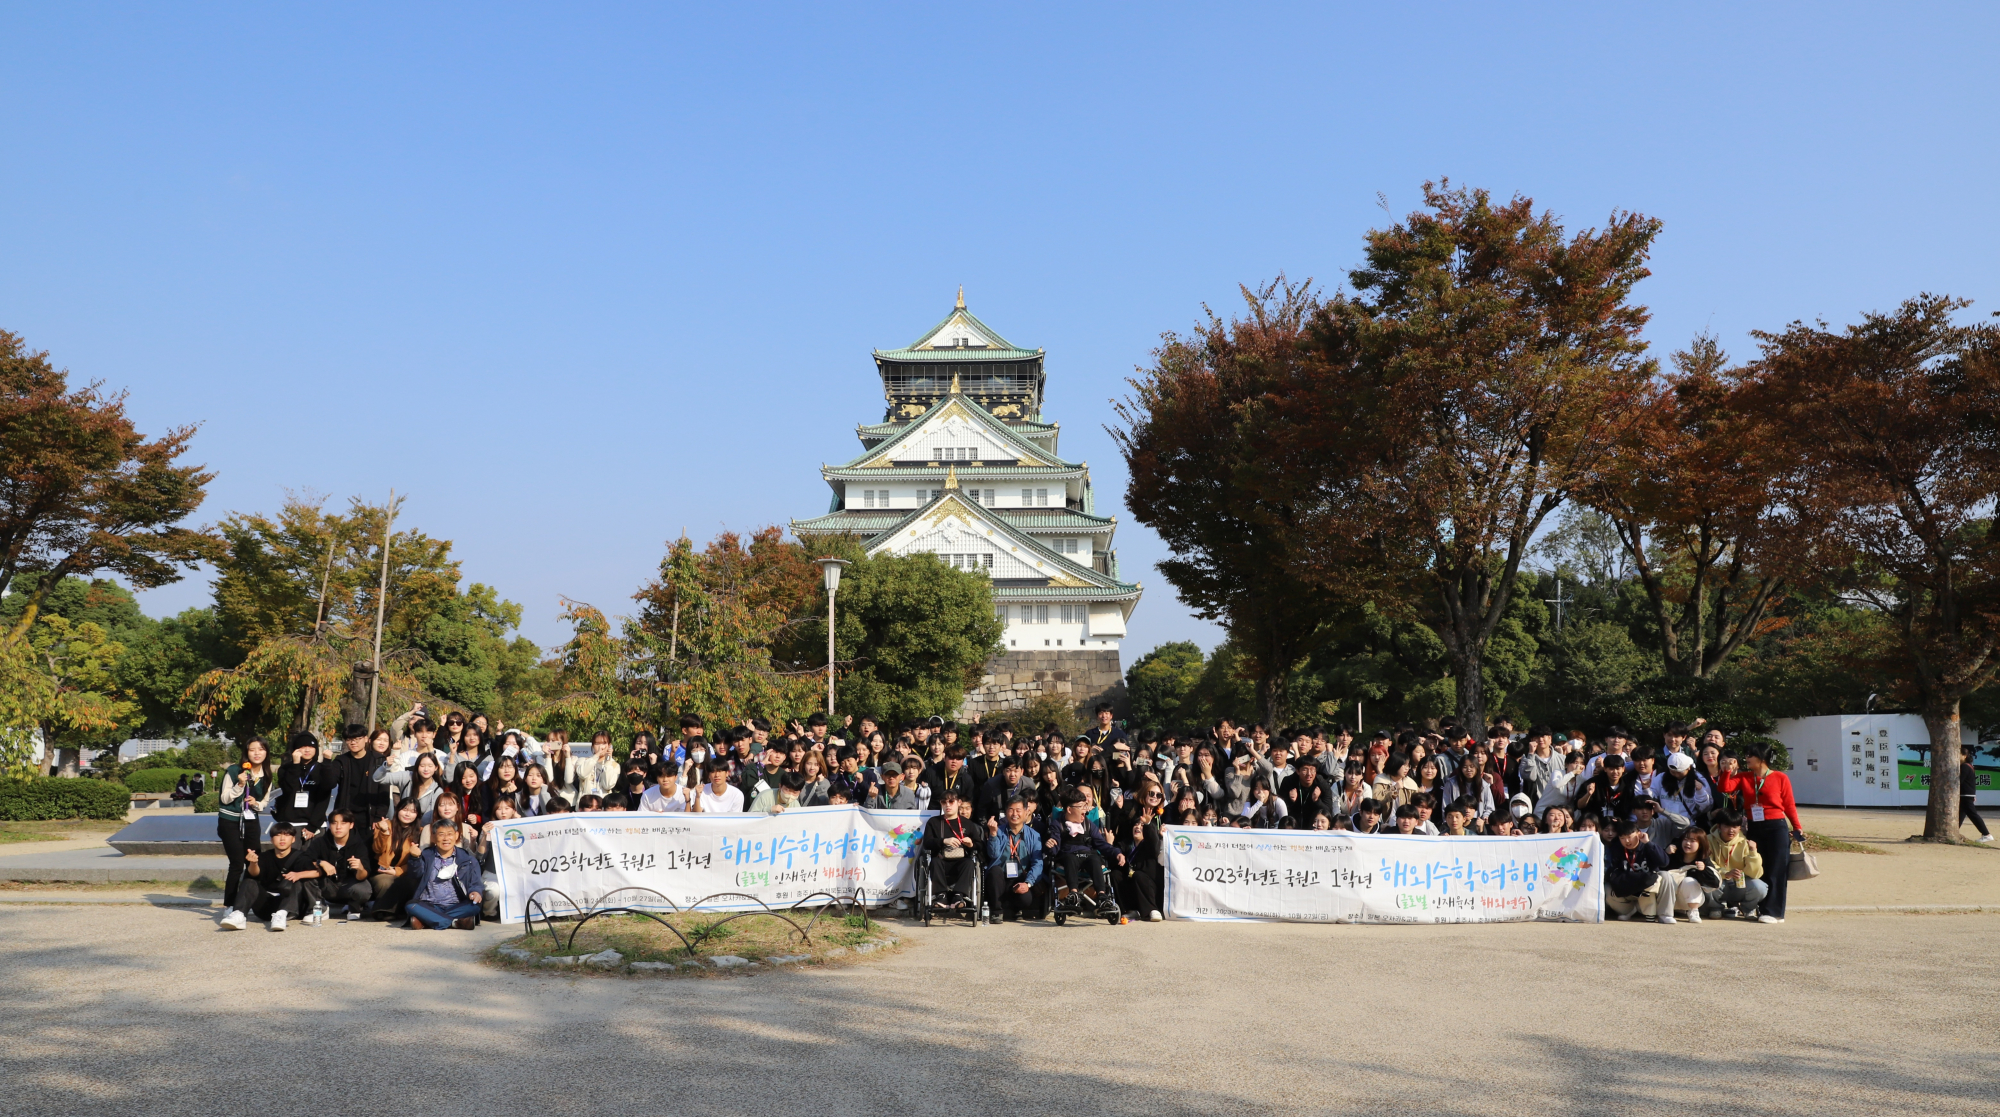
[964, 465]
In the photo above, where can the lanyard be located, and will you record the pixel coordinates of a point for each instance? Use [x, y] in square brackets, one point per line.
[1013, 847]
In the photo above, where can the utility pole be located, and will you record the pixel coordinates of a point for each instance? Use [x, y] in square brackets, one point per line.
[381, 609]
[1559, 601]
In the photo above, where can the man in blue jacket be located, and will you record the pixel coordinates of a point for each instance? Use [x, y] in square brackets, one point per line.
[448, 884]
[1014, 865]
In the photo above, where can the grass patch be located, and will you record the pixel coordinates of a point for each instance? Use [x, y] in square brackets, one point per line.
[757, 938]
[1820, 843]
[57, 830]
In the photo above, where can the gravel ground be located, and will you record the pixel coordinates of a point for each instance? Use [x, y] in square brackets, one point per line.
[132, 1010]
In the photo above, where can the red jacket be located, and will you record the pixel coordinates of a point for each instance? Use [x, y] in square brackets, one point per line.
[1773, 793]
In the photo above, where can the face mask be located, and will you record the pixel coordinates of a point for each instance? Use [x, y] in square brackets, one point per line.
[698, 755]
[1520, 810]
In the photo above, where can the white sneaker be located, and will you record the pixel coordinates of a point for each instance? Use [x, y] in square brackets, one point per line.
[1769, 919]
[1694, 915]
[1667, 917]
[278, 920]
[234, 921]
[1628, 916]
[1985, 837]
[1152, 917]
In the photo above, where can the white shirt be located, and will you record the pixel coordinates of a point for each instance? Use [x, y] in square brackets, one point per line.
[729, 802]
[657, 803]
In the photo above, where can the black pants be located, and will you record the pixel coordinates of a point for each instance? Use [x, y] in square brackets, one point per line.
[345, 892]
[1968, 808]
[954, 874]
[1006, 901]
[258, 900]
[238, 837]
[1139, 887]
[1773, 838]
[1085, 867]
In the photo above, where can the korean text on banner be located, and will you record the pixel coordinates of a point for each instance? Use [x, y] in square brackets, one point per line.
[1329, 876]
[777, 859]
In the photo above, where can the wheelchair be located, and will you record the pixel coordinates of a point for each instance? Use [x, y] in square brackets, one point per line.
[1088, 902]
[932, 901]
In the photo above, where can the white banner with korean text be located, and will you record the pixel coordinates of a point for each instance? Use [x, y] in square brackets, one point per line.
[1333, 876]
[574, 862]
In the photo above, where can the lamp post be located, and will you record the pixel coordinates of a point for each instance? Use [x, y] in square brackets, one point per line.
[831, 567]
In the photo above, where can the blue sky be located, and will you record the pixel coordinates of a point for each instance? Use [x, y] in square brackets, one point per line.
[578, 277]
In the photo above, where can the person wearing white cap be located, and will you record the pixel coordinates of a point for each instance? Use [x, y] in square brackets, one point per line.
[1682, 790]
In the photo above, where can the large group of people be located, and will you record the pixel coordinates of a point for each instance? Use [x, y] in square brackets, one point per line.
[398, 823]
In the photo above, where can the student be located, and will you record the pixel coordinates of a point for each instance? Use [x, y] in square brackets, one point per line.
[245, 793]
[717, 796]
[1968, 803]
[1634, 880]
[276, 886]
[1683, 791]
[396, 842]
[1738, 865]
[952, 841]
[1696, 884]
[419, 783]
[1774, 824]
[597, 775]
[448, 884]
[666, 796]
[1083, 853]
[305, 785]
[353, 790]
[346, 863]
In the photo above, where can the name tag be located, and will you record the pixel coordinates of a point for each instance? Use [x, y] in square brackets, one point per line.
[1756, 814]
[300, 800]
[762, 786]
[1013, 869]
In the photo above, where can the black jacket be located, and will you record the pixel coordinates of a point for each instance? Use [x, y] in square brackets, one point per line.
[317, 781]
[939, 828]
[1091, 838]
[942, 781]
[270, 868]
[1705, 876]
[1628, 872]
[355, 787]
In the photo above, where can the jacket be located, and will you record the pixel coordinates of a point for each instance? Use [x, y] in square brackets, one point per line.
[231, 792]
[1024, 849]
[401, 779]
[937, 829]
[464, 883]
[358, 845]
[1629, 872]
[1091, 837]
[591, 776]
[316, 782]
[353, 791]
[1740, 856]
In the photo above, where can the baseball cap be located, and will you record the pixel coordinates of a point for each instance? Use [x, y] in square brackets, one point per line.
[1680, 762]
[891, 768]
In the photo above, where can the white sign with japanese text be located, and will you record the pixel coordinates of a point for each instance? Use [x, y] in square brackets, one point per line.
[1332, 876]
[573, 862]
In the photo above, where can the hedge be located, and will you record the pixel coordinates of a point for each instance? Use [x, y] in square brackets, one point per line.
[159, 779]
[209, 803]
[35, 799]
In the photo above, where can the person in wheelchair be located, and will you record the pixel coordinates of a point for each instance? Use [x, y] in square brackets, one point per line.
[1082, 857]
[1014, 857]
[951, 845]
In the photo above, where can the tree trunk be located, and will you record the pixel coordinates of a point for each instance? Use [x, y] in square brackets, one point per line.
[1941, 812]
[1471, 691]
[1269, 686]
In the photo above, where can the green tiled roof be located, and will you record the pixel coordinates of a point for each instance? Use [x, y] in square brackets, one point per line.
[1002, 433]
[1101, 584]
[871, 522]
[966, 472]
[956, 354]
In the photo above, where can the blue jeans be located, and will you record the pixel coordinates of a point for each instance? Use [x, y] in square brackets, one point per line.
[437, 919]
[1746, 895]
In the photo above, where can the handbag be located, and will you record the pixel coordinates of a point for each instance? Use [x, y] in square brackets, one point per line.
[1804, 866]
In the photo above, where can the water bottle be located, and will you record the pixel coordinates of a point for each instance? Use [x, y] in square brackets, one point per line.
[985, 912]
[319, 912]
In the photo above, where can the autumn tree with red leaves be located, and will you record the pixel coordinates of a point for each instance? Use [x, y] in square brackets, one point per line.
[1899, 415]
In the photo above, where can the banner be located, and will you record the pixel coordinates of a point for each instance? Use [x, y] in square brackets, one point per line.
[778, 859]
[1333, 876]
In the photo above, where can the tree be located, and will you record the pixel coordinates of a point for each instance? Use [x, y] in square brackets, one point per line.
[1486, 363]
[1159, 683]
[914, 636]
[1210, 475]
[1711, 501]
[1899, 416]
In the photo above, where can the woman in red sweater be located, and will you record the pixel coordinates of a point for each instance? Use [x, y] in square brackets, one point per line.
[1774, 824]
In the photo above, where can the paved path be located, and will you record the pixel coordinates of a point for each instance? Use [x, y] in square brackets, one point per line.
[130, 1010]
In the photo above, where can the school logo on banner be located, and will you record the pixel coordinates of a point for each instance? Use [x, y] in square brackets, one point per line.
[513, 839]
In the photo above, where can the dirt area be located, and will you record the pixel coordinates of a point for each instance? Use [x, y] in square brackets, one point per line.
[1900, 873]
[707, 944]
[59, 830]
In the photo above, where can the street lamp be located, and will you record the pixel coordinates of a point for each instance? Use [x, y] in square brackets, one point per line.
[831, 567]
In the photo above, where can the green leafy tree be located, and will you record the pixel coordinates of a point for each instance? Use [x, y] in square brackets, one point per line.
[913, 634]
[1160, 682]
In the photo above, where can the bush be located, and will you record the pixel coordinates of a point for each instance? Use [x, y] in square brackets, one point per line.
[209, 803]
[37, 799]
[159, 779]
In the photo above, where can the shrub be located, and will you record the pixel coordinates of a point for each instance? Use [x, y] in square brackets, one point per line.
[209, 803]
[36, 799]
[158, 779]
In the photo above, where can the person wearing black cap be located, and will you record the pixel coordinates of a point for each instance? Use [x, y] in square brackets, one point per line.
[1607, 794]
[892, 795]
